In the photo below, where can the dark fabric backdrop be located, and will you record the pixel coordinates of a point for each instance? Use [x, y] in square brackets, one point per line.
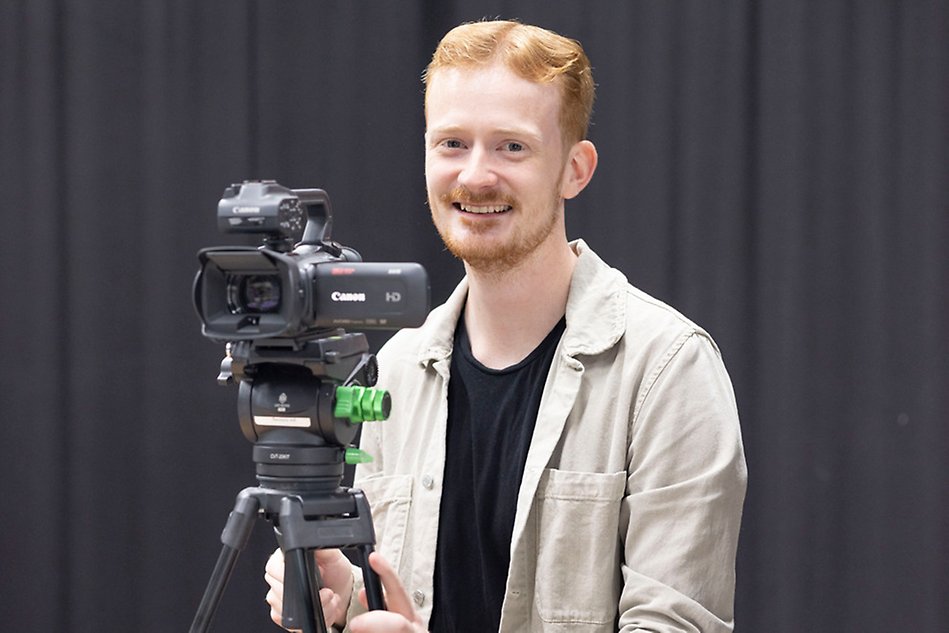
[779, 171]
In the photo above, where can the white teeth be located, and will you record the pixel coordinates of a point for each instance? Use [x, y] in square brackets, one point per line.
[491, 209]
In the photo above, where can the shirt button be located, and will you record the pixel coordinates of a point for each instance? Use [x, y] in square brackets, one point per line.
[419, 598]
[428, 482]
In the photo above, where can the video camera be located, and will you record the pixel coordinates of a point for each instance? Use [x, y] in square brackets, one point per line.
[292, 291]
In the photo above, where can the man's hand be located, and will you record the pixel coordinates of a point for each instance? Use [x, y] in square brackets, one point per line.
[400, 616]
[336, 574]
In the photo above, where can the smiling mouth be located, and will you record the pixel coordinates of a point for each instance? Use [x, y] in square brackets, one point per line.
[489, 209]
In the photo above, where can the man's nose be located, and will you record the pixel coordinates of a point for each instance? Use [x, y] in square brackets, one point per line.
[478, 171]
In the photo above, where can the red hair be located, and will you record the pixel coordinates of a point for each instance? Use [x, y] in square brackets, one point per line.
[531, 52]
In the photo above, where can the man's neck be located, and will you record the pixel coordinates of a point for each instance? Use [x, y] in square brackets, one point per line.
[508, 314]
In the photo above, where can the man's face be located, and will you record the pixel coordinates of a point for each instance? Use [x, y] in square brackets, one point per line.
[494, 164]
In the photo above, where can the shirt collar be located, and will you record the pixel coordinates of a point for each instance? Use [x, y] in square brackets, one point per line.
[596, 311]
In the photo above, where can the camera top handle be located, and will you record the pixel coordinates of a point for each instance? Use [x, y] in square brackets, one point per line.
[319, 216]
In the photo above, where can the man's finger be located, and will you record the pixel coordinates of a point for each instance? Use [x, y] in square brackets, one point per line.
[275, 565]
[382, 622]
[396, 597]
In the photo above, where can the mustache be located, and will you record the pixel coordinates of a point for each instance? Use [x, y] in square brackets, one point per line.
[462, 194]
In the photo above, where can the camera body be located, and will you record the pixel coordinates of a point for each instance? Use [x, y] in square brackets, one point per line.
[286, 290]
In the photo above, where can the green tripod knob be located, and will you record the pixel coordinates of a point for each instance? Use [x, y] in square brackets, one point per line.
[356, 456]
[362, 404]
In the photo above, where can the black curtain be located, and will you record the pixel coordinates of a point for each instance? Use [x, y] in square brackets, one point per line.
[779, 171]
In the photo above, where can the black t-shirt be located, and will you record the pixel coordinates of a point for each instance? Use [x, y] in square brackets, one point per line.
[491, 415]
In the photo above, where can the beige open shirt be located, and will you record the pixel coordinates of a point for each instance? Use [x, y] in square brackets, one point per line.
[629, 508]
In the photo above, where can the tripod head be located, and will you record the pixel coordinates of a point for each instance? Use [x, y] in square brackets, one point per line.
[301, 404]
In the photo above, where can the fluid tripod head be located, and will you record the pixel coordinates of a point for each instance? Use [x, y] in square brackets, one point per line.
[301, 407]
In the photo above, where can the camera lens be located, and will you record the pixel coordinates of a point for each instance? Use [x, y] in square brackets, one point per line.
[253, 294]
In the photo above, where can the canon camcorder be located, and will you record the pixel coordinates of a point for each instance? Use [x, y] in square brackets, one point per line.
[285, 290]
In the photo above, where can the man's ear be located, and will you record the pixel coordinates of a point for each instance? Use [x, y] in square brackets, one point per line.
[581, 163]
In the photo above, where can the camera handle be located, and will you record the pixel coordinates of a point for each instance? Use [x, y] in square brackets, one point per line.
[303, 523]
[319, 216]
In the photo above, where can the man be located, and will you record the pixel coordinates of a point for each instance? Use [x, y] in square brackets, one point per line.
[563, 452]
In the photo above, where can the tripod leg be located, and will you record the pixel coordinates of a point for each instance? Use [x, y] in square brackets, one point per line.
[302, 608]
[215, 589]
[313, 585]
[235, 535]
[370, 579]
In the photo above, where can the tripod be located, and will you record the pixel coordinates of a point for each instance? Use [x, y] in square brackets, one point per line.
[300, 469]
[303, 522]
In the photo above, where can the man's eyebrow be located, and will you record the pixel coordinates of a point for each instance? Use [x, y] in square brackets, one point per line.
[513, 132]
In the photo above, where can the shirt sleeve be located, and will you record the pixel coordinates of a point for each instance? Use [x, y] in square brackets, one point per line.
[685, 490]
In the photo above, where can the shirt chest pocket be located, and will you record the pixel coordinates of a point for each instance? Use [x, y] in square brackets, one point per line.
[576, 536]
[391, 499]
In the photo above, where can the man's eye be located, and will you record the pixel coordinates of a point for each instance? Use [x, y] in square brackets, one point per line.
[452, 144]
[513, 146]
